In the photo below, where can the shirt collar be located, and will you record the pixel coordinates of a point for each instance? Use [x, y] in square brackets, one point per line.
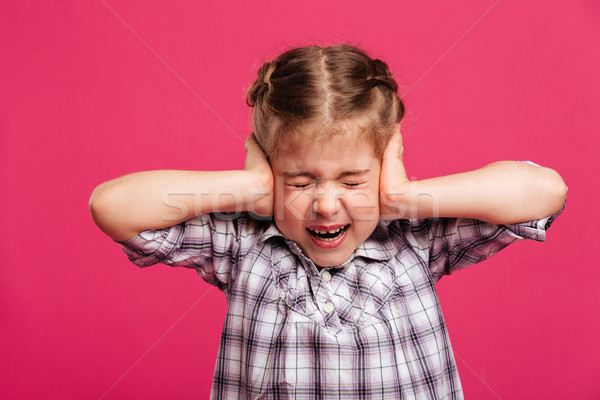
[378, 246]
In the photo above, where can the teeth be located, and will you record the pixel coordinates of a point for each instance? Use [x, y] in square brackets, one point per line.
[331, 232]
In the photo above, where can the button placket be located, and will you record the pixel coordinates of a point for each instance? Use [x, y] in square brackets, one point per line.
[322, 297]
[328, 307]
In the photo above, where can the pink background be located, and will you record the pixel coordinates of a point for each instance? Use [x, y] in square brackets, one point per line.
[93, 90]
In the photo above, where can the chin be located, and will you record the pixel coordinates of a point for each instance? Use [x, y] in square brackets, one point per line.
[325, 261]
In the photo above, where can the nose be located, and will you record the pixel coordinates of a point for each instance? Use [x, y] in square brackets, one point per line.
[326, 202]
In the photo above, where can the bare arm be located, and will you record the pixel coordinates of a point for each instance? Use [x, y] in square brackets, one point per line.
[502, 192]
[128, 205]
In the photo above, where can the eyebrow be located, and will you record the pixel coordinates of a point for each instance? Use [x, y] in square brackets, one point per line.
[354, 172]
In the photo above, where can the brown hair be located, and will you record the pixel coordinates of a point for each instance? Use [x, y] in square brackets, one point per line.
[323, 90]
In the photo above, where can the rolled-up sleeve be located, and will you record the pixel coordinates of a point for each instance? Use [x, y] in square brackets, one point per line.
[451, 244]
[153, 246]
[206, 243]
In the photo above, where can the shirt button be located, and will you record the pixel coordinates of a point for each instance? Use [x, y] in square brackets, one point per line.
[326, 276]
[328, 308]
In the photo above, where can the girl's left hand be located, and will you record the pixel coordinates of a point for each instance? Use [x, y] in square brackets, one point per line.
[393, 178]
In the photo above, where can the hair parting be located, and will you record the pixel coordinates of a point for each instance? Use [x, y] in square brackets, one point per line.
[313, 92]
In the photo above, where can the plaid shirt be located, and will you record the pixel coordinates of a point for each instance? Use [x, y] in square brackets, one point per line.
[371, 328]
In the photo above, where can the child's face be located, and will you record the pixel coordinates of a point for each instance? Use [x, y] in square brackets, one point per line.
[327, 186]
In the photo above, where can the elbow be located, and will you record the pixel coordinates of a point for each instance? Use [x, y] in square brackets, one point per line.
[101, 208]
[98, 196]
[106, 209]
[97, 203]
[94, 198]
[556, 190]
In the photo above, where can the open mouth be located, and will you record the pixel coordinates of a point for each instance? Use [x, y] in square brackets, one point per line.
[330, 235]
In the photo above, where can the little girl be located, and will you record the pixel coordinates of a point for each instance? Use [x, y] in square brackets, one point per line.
[326, 252]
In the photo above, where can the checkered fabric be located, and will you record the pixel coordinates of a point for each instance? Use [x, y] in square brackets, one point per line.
[371, 328]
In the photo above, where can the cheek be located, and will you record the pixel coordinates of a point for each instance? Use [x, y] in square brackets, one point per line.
[293, 205]
[363, 205]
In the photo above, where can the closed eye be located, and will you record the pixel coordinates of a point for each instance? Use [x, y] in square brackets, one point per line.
[352, 185]
[300, 185]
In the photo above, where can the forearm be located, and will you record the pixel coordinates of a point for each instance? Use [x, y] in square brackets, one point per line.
[503, 192]
[125, 206]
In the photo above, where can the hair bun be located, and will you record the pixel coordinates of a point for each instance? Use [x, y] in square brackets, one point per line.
[381, 67]
[382, 76]
[260, 85]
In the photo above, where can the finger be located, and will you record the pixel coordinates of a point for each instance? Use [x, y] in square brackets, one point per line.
[250, 141]
[251, 151]
[394, 148]
[253, 147]
[255, 156]
[399, 138]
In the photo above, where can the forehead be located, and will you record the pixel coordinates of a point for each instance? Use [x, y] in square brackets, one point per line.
[334, 154]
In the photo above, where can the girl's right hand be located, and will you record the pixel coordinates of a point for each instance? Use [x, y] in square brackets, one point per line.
[258, 164]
